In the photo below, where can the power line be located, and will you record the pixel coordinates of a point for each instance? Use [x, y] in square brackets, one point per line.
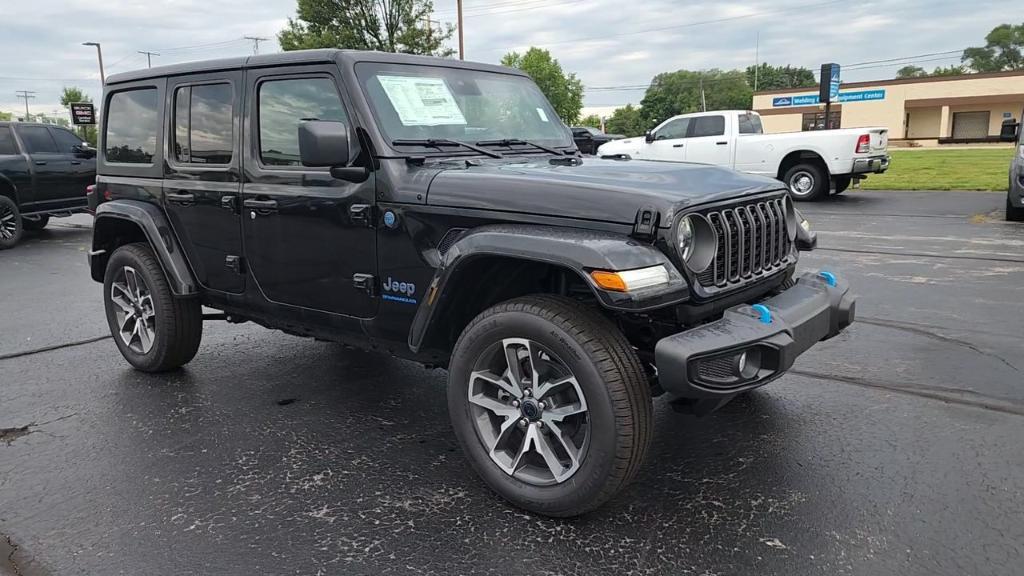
[149, 57]
[255, 42]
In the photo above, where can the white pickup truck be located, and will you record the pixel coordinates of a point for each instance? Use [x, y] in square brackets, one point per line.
[810, 163]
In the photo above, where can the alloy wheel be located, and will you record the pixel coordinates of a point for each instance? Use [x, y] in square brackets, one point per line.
[529, 412]
[133, 308]
[8, 223]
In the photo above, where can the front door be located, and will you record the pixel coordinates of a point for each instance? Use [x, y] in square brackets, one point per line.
[83, 164]
[202, 176]
[306, 233]
[51, 169]
[669, 142]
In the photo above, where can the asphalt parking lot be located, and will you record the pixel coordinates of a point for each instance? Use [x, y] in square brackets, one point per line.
[894, 448]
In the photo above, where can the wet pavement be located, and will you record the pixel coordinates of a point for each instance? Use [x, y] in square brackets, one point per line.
[894, 448]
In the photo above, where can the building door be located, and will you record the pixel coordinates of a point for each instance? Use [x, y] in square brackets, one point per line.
[970, 125]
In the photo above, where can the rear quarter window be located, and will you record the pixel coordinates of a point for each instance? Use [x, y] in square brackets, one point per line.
[132, 126]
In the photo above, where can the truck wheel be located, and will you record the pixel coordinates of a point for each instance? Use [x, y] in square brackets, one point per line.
[550, 404]
[842, 183]
[10, 223]
[153, 330]
[35, 222]
[807, 181]
[1013, 214]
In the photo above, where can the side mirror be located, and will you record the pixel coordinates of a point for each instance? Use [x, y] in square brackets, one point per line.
[649, 136]
[84, 151]
[323, 144]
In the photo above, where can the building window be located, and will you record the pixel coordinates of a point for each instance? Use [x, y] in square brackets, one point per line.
[816, 121]
[970, 125]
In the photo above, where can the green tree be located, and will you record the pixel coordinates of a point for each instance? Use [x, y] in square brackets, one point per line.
[911, 71]
[384, 25]
[564, 91]
[627, 121]
[593, 120]
[1003, 50]
[5, 116]
[949, 71]
[672, 93]
[780, 77]
[70, 95]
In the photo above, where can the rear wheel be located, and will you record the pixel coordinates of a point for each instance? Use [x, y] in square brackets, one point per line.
[153, 330]
[550, 404]
[35, 222]
[1013, 214]
[842, 183]
[806, 181]
[10, 223]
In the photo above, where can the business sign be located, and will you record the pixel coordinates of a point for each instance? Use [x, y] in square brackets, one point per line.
[828, 89]
[82, 113]
[814, 99]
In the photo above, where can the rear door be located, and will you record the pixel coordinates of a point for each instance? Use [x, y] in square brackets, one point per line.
[83, 165]
[202, 178]
[52, 179]
[307, 234]
[707, 142]
[669, 142]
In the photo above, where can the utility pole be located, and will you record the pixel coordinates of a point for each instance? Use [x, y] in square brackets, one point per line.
[149, 57]
[430, 25]
[757, 57]
[256, 43]
[462, 50]
[703, 103]
[26, 94]
[99, 54]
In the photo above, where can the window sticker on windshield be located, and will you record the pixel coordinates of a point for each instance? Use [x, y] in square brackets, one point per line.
[543, 116]
[422, 101]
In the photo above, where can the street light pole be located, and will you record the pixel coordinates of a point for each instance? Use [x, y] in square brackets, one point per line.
[99, 54]
[462, 52]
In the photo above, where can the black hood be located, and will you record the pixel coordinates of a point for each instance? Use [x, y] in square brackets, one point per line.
[603, 190]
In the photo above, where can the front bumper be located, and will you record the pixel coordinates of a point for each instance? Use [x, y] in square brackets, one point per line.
[705, 363]
[874, 164]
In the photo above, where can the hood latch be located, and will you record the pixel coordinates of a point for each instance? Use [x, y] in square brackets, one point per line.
[646, 222]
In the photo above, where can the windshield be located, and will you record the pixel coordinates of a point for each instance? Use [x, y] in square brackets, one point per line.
[434, 103]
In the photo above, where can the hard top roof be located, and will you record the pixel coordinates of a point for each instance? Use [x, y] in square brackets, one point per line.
[301, 57]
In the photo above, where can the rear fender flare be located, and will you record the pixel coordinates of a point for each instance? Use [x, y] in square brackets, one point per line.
[151, 221]
[578, 250]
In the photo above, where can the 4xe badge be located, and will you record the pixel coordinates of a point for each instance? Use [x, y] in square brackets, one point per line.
[399, 291]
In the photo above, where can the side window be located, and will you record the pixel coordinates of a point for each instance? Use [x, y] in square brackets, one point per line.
[66, 141]
[203, 130]
[37, 139]
[7, 144]
[672, 130]
[283, 104]
[749, 124]
[132, 126]
[708, 126]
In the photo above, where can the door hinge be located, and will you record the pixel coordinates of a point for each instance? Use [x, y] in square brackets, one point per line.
[360, 214]
[234, 263]
[364, 282]
[646, 222]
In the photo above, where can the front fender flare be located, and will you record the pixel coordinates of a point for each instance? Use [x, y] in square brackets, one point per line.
[151, 220]
[578, 250]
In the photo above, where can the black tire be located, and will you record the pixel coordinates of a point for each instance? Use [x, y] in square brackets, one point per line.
[610, 377]
[11, 225]
[842, 183]
[38, 223]
[1013, 214]
[807, 181]
[178, 322]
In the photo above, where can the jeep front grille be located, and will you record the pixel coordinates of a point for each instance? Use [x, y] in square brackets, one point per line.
[752, 242]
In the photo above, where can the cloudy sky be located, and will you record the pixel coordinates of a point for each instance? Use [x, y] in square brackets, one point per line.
[608, 43]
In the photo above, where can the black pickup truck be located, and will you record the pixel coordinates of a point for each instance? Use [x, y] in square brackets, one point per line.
[44, 172]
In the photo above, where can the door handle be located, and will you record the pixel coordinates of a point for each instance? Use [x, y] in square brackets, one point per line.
[678, 145]
[40, 162]
[264, 205]
[180, 198]
[76, 162]
[722, 143]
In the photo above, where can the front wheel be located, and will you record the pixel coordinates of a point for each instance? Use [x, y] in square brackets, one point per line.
[153, 330]
[550, 404]
[10, 223]
[806, 181]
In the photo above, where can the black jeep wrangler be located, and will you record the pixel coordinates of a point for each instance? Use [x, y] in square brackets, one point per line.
[438, 210]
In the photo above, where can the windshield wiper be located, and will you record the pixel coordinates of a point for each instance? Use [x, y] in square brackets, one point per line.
[439, 142]
[517, 142]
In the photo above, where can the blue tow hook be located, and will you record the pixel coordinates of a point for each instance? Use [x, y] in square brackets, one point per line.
[765, 313]
[829, 277]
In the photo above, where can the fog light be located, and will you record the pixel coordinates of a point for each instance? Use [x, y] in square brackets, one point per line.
[747, 364]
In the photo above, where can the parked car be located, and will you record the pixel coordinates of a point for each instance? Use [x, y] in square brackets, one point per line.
[1015, 192]
[389, 202]
[44, 171]
[588, 138]
[810, 163]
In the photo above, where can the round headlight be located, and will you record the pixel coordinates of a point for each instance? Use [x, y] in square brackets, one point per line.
[684, 237]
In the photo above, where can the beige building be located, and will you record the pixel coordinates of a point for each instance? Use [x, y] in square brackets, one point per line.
[918, 111]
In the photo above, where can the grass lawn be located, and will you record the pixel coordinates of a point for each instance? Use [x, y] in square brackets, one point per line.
[963, 169]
